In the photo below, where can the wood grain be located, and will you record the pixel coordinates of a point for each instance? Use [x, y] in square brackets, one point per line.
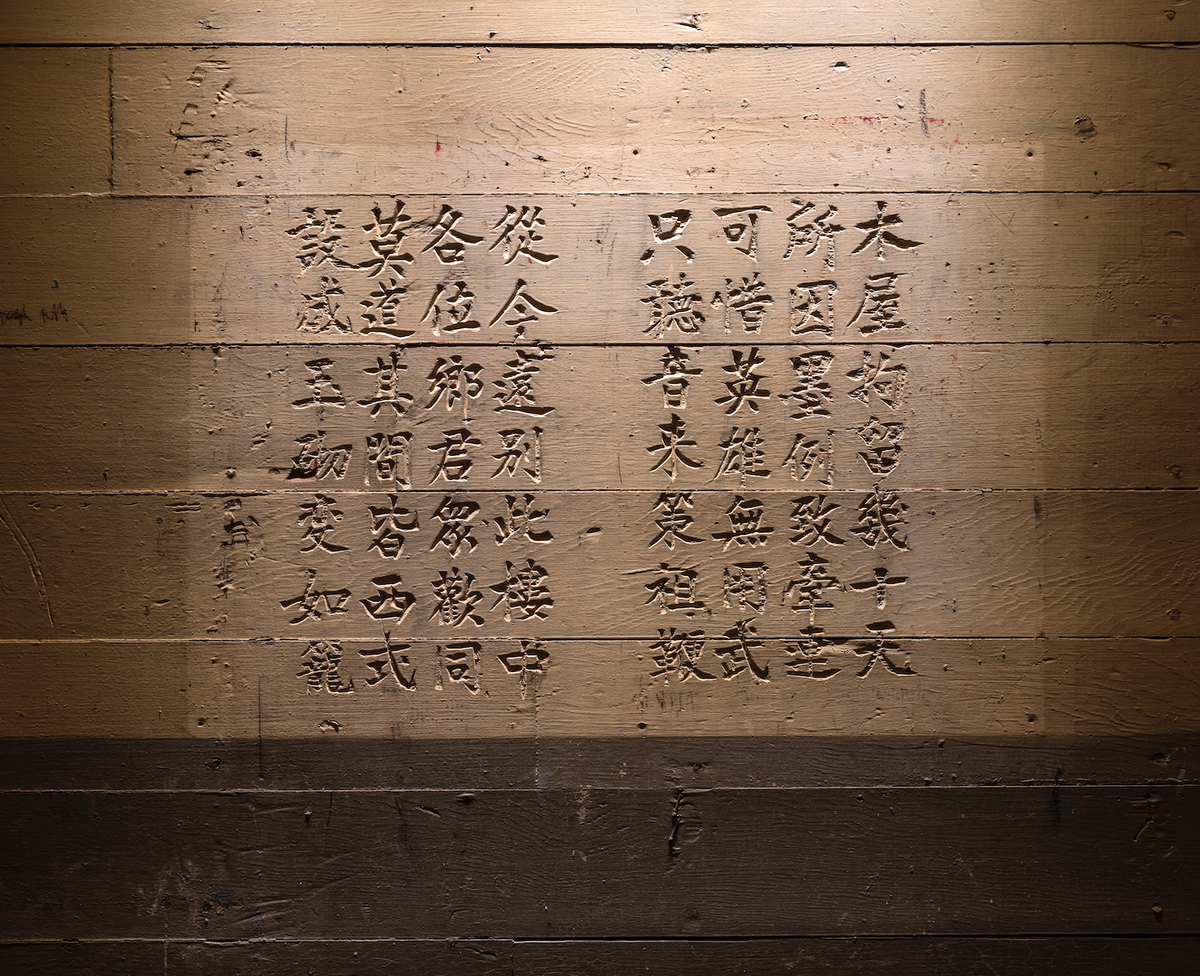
[497, 23]
[990, 267]
[598, 863]
[978, 564]
[54, 121]
[270, 120]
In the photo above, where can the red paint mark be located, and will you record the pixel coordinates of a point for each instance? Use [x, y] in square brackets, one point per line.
[938, 338]
[954, 358]
[437, 145]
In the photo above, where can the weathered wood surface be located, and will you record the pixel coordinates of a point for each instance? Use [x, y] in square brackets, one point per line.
[987, 416]
[1062, 956]
[368, 120]
[54, 121]
[598, 863]
[495, 22]
[848, 760]
[990, 267]
[976, 564]
[237, 691]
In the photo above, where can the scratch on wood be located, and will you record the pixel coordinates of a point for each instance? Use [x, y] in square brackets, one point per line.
[31, 559]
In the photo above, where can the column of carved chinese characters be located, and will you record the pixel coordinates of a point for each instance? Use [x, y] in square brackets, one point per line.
[450, 461]
[867, 404]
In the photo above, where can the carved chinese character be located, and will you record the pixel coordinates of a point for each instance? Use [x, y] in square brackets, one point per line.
[520, 450]
[668, 227]
[674, 521]
[520, 521]
[674, 440]
[319, 518]
[449, 242]
[810, 308]
[389, 602]
[737, 656]
[882, 380]
[877, 234]
[882, 442]
[516, 385]
[236, 528]
[390, 660]
[316, 603]
[745, 524]
[742, 453]
[459, 664]
[748, 301]
[744, 586]
[529, 663]
[322, 391]
[519, 234]
[672, 306]
[320, 238]
[678, 654]
[810, 521]
[743, 382]
[812, 395]
[521, 308]
[880, 308]
[388, 525]
[381, 309]
[806, 657]
[387, 385]
[319, 669]
[389, 458]
[455, 464]
[454, 381]
[450, 308]
[879, 584]
[879, 649]
[321, 310]
[811, 454]
[523, 593]
[674, 377]
[814, 233]
[809, 585]
[314, 460]
[386, 236]
[741, 227]
[455, 599]
[456, 516]
[881, 519]
[675, 590]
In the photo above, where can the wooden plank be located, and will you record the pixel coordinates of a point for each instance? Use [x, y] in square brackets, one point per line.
[940, 416]
[1063, 956]
[993, 564]
[369, 120]
[990, 267]
[960, 689]
[54, 121]
[598, 863]
[608, 22]
[1059, 956]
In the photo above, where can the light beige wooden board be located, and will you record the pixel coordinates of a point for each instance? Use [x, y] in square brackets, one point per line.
[496, 22]
[492, 419]
[992, 564]
[54, 121]
[427, 120]
[1001, 267]
[231, 690]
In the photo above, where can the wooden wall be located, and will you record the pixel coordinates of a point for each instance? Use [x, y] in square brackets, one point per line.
[535, 487]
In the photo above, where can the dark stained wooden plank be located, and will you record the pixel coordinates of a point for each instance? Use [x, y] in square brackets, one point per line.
[638, 761]
[596, 863]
